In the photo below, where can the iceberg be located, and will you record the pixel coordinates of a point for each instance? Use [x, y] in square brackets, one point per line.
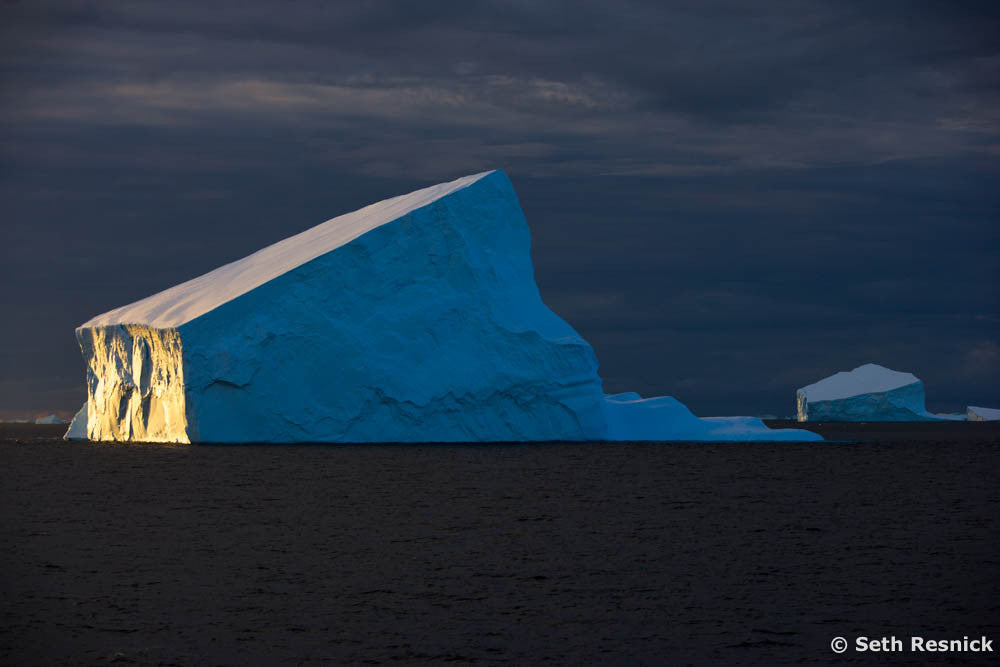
[51, 419]
[415, 319]
[978, 414]
[867, 393]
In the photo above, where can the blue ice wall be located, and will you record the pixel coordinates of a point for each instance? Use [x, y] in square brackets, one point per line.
[428, 328]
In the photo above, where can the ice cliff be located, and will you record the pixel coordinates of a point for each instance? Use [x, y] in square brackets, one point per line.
[416, 319]
[867, 393]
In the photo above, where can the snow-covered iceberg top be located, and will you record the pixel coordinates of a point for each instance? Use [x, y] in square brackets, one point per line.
[182, 303]
[867, 379]
[979, 414]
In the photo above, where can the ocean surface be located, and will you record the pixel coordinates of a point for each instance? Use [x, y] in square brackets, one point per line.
[579, 554]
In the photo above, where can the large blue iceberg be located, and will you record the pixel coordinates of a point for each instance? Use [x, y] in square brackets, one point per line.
[416, 319]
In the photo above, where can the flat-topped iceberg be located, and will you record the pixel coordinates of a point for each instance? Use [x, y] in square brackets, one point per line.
[51, 419]
[978, 414]
[867, 393]
[416, 319]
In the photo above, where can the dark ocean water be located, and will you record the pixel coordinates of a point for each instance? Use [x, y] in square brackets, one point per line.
[528, 554]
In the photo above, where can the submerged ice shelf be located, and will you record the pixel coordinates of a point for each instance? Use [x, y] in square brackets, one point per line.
[415, 319]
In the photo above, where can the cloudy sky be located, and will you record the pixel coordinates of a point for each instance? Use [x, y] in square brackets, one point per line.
[728, 201]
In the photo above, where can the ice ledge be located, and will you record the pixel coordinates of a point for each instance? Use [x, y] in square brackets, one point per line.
[663, 418]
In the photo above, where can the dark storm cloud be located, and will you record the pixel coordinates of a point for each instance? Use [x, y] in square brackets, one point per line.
[728, 201]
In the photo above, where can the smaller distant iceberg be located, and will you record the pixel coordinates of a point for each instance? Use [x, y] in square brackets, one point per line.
[50, 419]
[867, 393]
[978, 414]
